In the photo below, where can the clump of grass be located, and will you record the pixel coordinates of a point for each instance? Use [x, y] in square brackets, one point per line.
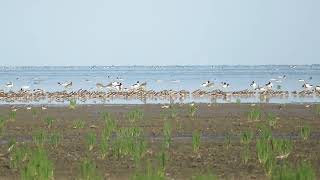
[272, 120]
[39, 138]
[206, 176]
[173, 111]
[305, 132]
[254, 114]
[152, 173]
[196, 141]
[265, 155]
[162, 159]
[238, 101]
[91, 140]
[78, 124]
[38, 167]
[245, 154]
[192, 109]
[2, 125]
[246, 137]
[72, 104]
[317, 109]
[135, 115]
[103, 147]
[305, 171]
[282, 147]
[227, 140]
[88, 170]
[12, 144]
[48, 122]
[34, 112]
[12, 115]
[138, 150]
[110, 125]
[54, 139]
[18, 155]
[167, 130]
[265, 133]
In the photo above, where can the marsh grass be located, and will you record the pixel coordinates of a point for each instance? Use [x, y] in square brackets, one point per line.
[204, 176]
[48, 121]
[91, 140]
[246, 137]
[196, 141]
[88, 170]
[192, 109]
[103, 147]
[72, 104]
[265, 133]
[34, 113]
[54, 139]
[305, 132]
[39, 167]
[12, 144]
[173, 111]
[2, 125]
[79, 124]
[39, 138]
[245, 154]
[12, 115]
[135, 115]
[152, 173]
[317, 109]
[303, 171]
[167, 131]
[254, 114]
[163, 158]
[271, 120]
[282, 147]
[265, 155]
[227, 140]
[18, 155]
[109, 125]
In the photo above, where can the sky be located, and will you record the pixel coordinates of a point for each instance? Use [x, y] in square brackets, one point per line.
[159, 32]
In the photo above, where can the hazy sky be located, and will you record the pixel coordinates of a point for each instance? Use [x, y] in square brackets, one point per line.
[159, 32]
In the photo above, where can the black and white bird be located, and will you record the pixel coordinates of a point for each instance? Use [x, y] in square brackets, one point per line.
[269, 85]
[307, 86]
[139, 85]
[225, 85]
[317, 88]
[65, 84]
[9, 85]
[207, 84]
[253, 84]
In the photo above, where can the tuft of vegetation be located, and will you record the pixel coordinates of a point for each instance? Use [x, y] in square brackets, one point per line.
[245, 154]
[152, 173]
[103, 147]
[54, 139]
[254, 114]
[246, 137]
[135, 115]
[34, 113]
[287, 172]
[38, 167]
[91, 140]
[196, 141]
[282, 148]
[227, 140]
[12, 115]
[173, 110]
[18, 155]
[305, 132]
[317, 109]
[238, 101]
[305, 171]
[163, 159]
[39, 138]
[110, 125]
[272, 120]
[167, 130]
[48, 122]
[192, 109]
[72, 104]
[88, 170]
[78, 124]
[2, 125]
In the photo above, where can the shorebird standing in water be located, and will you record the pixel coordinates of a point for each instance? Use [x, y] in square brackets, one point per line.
[269, 85]
[65, 84]
[307, 86]
[225, 85]
[317, 88]
[253, 84]
[207, 84]
[137, 85]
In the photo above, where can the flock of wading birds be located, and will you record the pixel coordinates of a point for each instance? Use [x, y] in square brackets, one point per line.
[139, 90]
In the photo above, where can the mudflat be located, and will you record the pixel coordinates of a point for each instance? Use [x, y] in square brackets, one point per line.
[220, 127]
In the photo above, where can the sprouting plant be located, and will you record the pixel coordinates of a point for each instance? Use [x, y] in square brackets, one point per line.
[245, 154]
[2, 125]
[38, 167]
[265, 133]
[167, 134]
[151, 173]
[72, 103]
[238, 101]
[88, 170]
[91, 140]
[12, 115]
[283, 171]
[48, 122]
[135, 115]
[192, 109]
[246, 137]
[18, 155]
[39, 138]
[78, 124]
[272, 120]
[103, 147]
[54, 139]
[282, 147]
[305, 132]
[196, 141]
[305, 171]
[264, 150]
[227, 140]
[110, 125]
[254, 114]
[173, 110]
[163, 158]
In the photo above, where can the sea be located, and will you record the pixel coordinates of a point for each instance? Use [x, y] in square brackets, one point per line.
[284, 77]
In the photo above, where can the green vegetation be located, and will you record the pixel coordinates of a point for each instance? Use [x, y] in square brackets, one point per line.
[245, 154]
[152, 173]
[173, 110]
[305, 132]
[72, 104]
[48, 122]
[246, 137]
[205, 176]
[103, 147]
[79, 124]
[317, 109]
[39, 138]
[135, 115]
[196, 141]
[272, 120]
[167, 130]
[227, 140]
[34, 112]
[54, 139]
[285, 172]
[2, 125]
[254, 114]
[88, 170]
[282, 147]
[18, 155]
[192, 109]
[238, 101]
[91, 140]
[12, 115]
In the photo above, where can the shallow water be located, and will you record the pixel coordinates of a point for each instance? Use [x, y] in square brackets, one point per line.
[164, 77]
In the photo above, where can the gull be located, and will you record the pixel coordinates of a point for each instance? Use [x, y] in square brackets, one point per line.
[207, 84]
[307, 86]
[9, 85]
[28, 107]
[260, 88]
[113, 84]
[253, 84]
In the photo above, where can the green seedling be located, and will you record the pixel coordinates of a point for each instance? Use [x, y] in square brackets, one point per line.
[103, 147]
[167, 130]
[78, 124]
[192, 109]
[39, 138]
[88, 170]
[245, 154]
[12, 115]
[238, 101]
[48, 122]
[39, 166]
[91, 140]
[18, 155]
[254, 114]
[246, 137]
[2, 125]
[196, 141]
[282, 148]
[72, 104]
[272, 120]
[151, 174]
[227, 140]
[305, 171]
[54, 139]
[305, 132]
[135, 115]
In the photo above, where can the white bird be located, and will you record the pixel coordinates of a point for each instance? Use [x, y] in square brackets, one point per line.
[65, 84]
[301, 80]
[100, 85]
[253, 84]
[114, 84]
[260, 88]
[317, 88]
[225, 85]
[9, 85]
[137, 85]
[269, 85]
[118, 87]
[307, 86]
[206, 84]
